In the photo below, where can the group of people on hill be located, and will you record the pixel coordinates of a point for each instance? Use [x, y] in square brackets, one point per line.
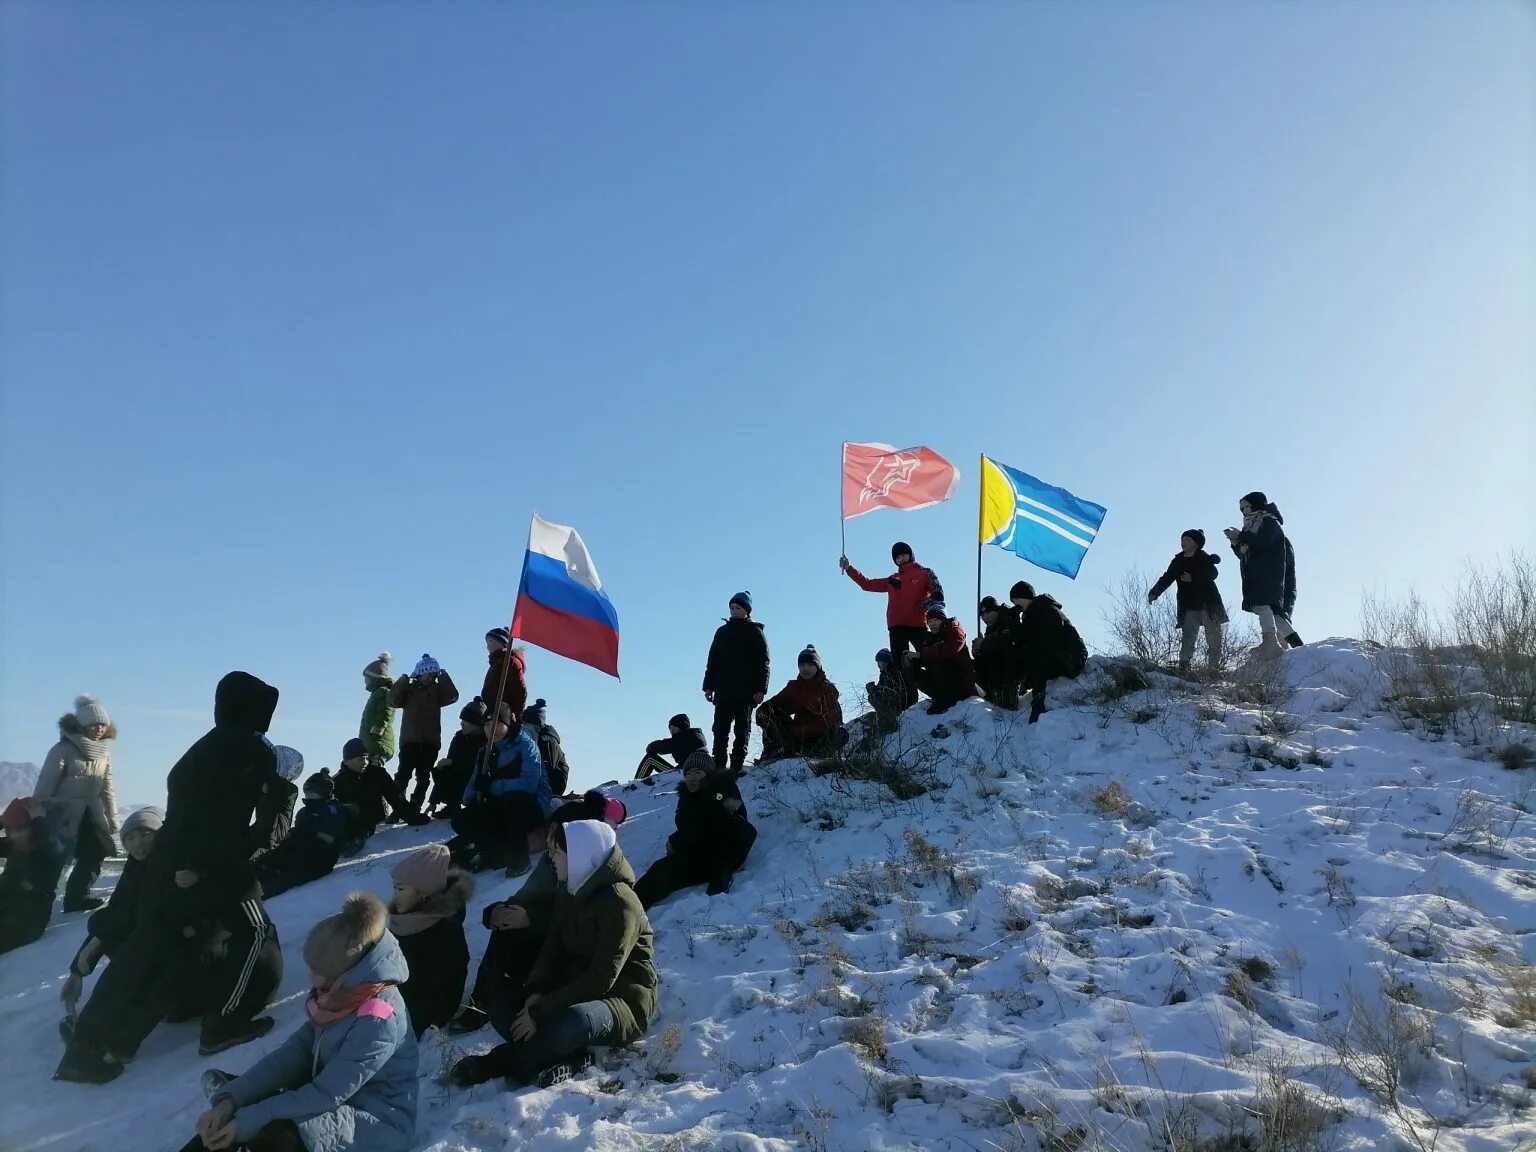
[569, 961]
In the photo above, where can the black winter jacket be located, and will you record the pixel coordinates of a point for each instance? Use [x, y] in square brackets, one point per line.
[1042, 635]
[211, 795]
[1268, 564]
[26, 889]
[1199, 593]
[738, 661]
[703, 822]
[370, 792]
[679, 747]
[438, 958]
[552, 752]
[274, 815]
[113, 923]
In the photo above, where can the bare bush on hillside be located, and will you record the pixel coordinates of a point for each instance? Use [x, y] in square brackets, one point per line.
[1142, 631]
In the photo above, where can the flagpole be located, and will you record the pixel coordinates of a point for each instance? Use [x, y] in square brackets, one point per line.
[494, 706]
[842, 522]
[981, 488]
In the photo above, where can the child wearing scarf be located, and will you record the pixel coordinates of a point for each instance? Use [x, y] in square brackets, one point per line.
[346, 1080]
[427, 918]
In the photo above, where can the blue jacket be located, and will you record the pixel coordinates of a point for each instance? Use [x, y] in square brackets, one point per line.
[350, 1086]
[518, 768]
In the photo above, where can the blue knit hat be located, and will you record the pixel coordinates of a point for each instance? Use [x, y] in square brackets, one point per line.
[884, 657]
[744, 599]
[353, 748]
[426, 666]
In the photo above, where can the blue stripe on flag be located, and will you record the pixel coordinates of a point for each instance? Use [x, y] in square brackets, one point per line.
[1052, 528]
[546, 582]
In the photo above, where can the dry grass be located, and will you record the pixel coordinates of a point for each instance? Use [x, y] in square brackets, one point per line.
[1111, 800]
[867, 1034]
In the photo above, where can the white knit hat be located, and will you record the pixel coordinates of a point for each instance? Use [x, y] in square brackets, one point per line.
[88, 711]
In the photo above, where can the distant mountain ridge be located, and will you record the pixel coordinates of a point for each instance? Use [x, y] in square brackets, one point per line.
[16, 780]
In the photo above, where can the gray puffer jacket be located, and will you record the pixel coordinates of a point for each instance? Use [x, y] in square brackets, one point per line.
[76, 783]
[348, 1086]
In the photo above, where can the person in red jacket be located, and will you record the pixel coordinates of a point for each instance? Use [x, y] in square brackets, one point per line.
[806, 717]
[945, 670]
[908, 591]
[514, 690]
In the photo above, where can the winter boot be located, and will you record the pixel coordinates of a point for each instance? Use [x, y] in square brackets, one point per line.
[84, 904]
[214, 1081]
[470, 1019]
[85, 1064]
[720, 885]
[560, 1072]
[222, 1033]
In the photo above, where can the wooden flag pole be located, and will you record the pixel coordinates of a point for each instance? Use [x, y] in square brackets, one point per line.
[842, 463]
[981, 506]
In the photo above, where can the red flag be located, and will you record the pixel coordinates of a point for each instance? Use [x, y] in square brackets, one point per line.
[879, 476]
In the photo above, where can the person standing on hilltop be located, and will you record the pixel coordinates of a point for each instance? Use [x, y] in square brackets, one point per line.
[507, 674]
[1269, 572]
[908, 591]
[75, 787]
[377, 731]
[421, 696]
[736, 679]
[1193, 569]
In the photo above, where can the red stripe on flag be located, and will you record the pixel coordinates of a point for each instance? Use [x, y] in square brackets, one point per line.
[575, 637]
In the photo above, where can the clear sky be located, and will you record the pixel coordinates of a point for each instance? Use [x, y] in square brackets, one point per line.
[304, 308]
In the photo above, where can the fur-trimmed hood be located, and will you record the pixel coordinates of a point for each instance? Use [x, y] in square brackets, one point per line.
[449, 904]
[72, 728]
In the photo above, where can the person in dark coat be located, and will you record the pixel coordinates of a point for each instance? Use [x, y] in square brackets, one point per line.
[313, 848]
[887, 693]
[454, 770]
[736, 679]
[1193, 570]
[506, 800]
[200, 871]
[421, 697]
[274, 807]
[33, 862]
[712, 839]
[806, 717]
[551, 751]
[684, 740]
[945, 670]
[999, 663]
[427, 918]
[507, 674]
[1044, 637]
[366, 792]
[1268, 567]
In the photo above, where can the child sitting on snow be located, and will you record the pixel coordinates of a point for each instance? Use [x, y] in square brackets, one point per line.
[806, 717]
[712, 839]
[364, 790]
[314, 846]
[427, 918]
[453, 771]
[506, 799]
[33, 861]
[346, 1080]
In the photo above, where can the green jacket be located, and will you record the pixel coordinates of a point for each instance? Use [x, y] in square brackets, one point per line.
[602, 935]
[378, 727]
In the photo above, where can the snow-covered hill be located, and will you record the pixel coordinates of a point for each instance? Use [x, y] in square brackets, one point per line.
[16, 780]
[1163, 920]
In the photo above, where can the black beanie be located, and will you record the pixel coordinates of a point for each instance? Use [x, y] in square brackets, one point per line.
[1023, 590]
[1255, 500]
[680, 721]
[474, 712]
[936, 611]
[809, 656]
[1196, 535]
[990, 604]
[320, 786]
[900, 548]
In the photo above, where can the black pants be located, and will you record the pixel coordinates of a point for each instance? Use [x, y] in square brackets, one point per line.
[997, 675]
[941, 682]
[89, 853]
[243, 970]
[497, 829]
[509, 958]
[729, 713]
[297, 860]
[901, 640]
[780, 739]
[416, 760]
[698, 863]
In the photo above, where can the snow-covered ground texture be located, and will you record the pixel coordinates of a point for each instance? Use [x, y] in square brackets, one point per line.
[1257, 917]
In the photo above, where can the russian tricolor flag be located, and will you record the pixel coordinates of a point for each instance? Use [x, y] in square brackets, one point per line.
[561, 605]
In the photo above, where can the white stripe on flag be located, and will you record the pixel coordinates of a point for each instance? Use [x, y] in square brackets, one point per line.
[1059, 515]
[1021, 513]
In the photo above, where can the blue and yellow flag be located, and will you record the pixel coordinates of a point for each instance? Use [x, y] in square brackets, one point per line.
[1047, 526]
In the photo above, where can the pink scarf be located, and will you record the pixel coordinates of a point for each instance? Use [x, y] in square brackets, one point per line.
[335, 1004]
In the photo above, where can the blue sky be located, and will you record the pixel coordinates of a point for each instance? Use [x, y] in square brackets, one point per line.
[305, 308]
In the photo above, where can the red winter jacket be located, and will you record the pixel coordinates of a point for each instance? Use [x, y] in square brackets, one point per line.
[908, 588]
[811, 705]
[949, 646]
[516, 691]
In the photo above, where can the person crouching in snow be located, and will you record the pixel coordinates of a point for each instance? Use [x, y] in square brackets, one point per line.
[594, 981]
[806, 717]
[377, 730]
[944, 668]
[887, 693]
[274, 807]
[506, 799]
[712, 840]
[454, 770]
[75, 788]
[346, 1080]
[363, 789]
[33, 861]
[997, 654]
[426, 917]
[1268, 566]
[313, 848]
[682, 741]
[1193, 569]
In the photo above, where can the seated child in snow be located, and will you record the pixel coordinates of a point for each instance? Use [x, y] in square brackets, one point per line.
[594, 981]
[364, 789]
[684, 740]
[33, 861]
[314, 846]
[274, 807]
[806, 717]
[518, 926]
[945, 669]
[426, 917]
[887, 693]
[712, 839]
[453, 771]
[346, 1080]
[507, 799]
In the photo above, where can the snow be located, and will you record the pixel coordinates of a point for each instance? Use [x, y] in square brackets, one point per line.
[1140, 922]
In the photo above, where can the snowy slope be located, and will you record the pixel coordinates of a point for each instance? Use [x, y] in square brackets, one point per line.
[16, 780]
[1145, 923]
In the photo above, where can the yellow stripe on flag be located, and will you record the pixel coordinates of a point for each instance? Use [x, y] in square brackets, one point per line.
[998, 502]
